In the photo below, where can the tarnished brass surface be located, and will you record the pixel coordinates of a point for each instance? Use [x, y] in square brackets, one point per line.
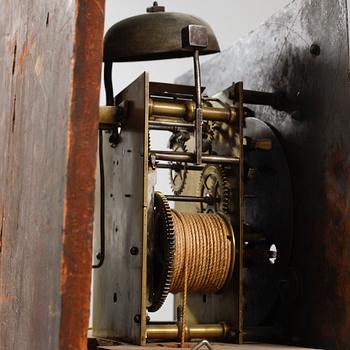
[108, 115]
[202, 331]
[276, 57]
[189, 157]
[215, 346]
[162, 331]
[155, 35]
[263, 144]
[186, 110]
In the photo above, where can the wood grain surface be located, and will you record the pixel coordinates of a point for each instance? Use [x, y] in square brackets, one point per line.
[50, 61]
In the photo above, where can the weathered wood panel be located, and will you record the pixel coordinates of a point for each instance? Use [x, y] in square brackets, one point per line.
[316, 309]
[50, 58]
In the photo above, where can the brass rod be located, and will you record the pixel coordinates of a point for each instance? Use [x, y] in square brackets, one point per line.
[187, 110]
[162, 331]
[180, 166]
[201, 331]
[108, 115]
[169, 126]
[190, 199]
[190, 158]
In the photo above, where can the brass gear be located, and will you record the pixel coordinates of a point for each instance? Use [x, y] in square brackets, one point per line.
[178, 172]
[215, 185]
[211, 132]
[208, 136]
[164, 250]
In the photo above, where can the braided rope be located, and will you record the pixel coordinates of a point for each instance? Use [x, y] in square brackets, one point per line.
[203, 253]
[204, 256]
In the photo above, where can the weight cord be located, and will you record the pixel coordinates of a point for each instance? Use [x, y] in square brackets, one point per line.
[203, 257]
[203, 248]
[110, 102]
[184, 305]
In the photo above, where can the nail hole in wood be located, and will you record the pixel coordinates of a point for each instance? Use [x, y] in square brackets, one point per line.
[14, 59]
[1, 231]
[14, 114]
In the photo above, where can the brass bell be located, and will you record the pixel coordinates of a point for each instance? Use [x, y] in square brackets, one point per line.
[153, 36]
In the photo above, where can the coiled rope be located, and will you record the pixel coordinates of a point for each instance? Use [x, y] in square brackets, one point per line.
[204, 256]
[205, 248]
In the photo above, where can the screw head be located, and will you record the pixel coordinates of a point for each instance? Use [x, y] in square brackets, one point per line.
[134, 250]
[137, 318]
[315, 50]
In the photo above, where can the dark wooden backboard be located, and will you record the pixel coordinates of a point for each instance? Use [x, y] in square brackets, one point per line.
[50, 59]
[277, 57]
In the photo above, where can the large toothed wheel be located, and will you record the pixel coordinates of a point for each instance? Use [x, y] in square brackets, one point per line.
[164, 249]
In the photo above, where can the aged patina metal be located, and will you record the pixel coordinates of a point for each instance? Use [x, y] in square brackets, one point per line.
[195, 38]
[127, 179]
[314, 297]
[190, 157]
[171, 331]
[111, 116]
[306, 291]
[155, 35]
[270, 211]
[187, 110]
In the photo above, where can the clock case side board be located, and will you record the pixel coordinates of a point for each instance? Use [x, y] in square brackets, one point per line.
[50, 66]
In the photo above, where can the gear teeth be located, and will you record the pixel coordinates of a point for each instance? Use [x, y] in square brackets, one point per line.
[226, 191]
[178, 188]
[161, 293]
[224, 184]
[211, 132]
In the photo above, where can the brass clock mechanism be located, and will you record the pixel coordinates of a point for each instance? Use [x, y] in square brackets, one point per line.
[210, 242]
